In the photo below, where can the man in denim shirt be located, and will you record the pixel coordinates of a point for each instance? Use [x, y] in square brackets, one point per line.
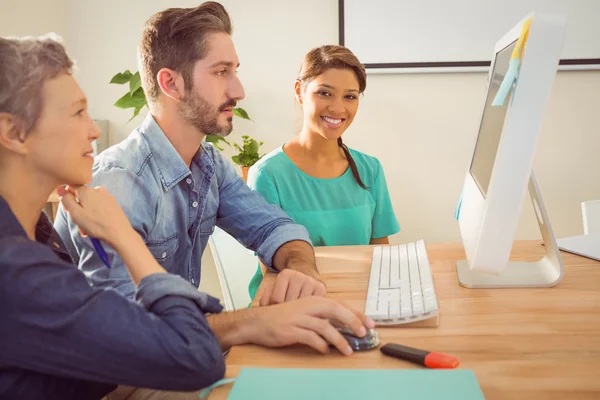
[175, 188]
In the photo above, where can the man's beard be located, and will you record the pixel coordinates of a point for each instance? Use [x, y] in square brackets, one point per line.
[204, 116]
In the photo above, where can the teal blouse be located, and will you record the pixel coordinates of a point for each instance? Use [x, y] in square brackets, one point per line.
[336, 211]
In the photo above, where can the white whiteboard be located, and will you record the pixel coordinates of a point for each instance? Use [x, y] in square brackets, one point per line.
[414, 34]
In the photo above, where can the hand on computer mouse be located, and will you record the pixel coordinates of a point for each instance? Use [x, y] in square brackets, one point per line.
[309, 320]
[369, 341]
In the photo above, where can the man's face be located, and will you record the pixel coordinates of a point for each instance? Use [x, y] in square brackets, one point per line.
[208, 104]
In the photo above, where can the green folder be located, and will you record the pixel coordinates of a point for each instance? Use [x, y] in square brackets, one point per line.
[382, 384]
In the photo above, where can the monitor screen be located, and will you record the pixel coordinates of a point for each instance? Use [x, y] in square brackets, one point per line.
[492, 122]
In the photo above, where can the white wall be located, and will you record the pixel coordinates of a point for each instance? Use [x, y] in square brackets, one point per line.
[31, 17]
[422, 127]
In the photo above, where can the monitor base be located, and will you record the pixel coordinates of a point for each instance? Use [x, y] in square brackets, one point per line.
[546, 272]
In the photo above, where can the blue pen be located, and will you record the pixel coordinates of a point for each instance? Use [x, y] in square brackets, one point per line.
[97, 245]
[101, 252]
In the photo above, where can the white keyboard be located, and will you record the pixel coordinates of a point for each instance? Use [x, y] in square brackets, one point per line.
[401, 287]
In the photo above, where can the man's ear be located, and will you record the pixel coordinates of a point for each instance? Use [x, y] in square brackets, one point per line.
[12, 135]
[171, 84]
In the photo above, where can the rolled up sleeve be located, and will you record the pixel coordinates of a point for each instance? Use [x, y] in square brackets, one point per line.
[155, 287]
[248, 217]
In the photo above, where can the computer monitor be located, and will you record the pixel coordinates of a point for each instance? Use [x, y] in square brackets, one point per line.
[500, 171]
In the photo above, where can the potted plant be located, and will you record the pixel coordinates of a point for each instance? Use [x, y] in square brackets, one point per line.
[247, 154]
[135, 98]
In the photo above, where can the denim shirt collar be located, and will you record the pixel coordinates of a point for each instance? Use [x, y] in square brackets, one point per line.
[171, 166]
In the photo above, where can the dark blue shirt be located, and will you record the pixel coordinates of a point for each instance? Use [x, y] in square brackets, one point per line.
[62, 339]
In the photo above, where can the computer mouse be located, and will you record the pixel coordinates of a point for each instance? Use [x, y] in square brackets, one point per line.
[368, 342]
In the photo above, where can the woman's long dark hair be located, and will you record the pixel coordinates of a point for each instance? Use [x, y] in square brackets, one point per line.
[320, 59]
[352, 164]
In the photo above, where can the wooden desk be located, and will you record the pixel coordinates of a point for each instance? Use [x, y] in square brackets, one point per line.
[521, 343]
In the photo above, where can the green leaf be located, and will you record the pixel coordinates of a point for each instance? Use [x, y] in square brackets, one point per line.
[253, 147]
[135, 83]
[125, 101]
[240, 112]
[135, 100]
[121, 77]
[236, 159]
[135, 113]
[139, 98]
[217, 146]
[214, 139]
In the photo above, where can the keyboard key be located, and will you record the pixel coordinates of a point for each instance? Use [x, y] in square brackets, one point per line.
[426, 278]
[394, 303]
[385, 268]
[375, 267]
[372, 297]
[383, 305]
[394, 270]
[405, 301]
[415, 280]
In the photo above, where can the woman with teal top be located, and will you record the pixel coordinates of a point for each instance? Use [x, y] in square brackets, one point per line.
[339, 194]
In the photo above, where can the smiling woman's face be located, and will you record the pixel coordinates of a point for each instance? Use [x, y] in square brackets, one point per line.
[329, 101]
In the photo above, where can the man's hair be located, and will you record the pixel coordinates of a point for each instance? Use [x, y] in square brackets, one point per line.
[176, 38]
[26, 64]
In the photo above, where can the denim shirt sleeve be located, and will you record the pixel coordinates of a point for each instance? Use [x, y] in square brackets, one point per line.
[155, 287]
[247, 216]
[53, 322]
[137, 201]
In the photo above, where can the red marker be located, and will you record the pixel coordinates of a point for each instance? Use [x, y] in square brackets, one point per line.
[422, 357]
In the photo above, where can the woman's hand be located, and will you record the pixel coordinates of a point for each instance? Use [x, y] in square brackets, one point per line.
[96, 213]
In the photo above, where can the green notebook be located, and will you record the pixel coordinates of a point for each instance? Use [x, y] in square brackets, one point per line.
[382, 384]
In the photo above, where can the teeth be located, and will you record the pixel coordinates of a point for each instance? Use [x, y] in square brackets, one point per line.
[333, 121]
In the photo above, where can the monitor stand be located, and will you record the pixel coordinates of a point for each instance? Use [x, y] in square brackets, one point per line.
[546, 272]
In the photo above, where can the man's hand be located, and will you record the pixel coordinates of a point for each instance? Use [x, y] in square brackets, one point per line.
[291, 285]
[308, 321]
[298, 276]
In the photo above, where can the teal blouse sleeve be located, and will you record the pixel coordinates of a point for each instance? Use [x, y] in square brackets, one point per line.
[260, 181]
[384, 219]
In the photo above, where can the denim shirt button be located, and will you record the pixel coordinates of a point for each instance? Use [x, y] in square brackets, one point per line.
[195, 204]
[188, 181]
[164, 255]
[193, 281]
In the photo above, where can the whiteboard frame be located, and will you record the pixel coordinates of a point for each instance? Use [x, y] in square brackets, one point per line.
[570, 64]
